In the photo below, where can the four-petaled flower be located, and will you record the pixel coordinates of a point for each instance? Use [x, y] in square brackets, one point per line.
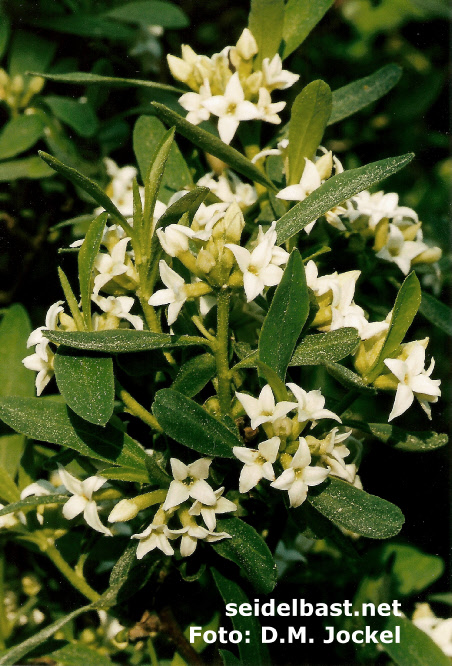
[311, 405]
[157, 535]
[189, 481]
[297, 478]
[258, 463]
[175, 295]
[82, 499]
[264, 409]
[120, 307]
[208, 513]
[110, 265]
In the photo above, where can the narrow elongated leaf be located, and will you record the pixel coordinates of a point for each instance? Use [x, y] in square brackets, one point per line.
[89, 186]
[266, 21]
[398, 438]
[253, 652]
[86, 382]
[308, 119]
[336, 190]
[229, 659]
[404, 311]
[437, 313]
[147, 134]
[325, 347]
[289, 308]
[189, 424]
[416, 648]
[50, 421]
[122, 341]
[20, 134]
[356, 95]
[123, 474]
[249, 551]
[86, 257]
[412, 569]
[86, 25]
[348, 378]
[212, 145]
[300, 17]
[33, 501]
[9, 492]
[277, 385]
[15, 654]
[89, 78]
[79, 654]
[11, 450]
[189, 203]
[150, 12]
[194, 375]
[15, 328]
[356, 510]
[5, 30]
[78, 115]
[28, 167]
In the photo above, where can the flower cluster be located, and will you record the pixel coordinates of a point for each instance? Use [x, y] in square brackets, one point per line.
[229, 86]
[304, 460]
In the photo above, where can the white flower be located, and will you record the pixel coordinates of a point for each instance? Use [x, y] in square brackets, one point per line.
[110, 625]
[82, 500]
[268, 111]
[157, 535]
[40, 488]
[332, 453]
[208, 513]
[229, 188]
[263, 409]
[400, 251]
[324, 284]
[279, 255]
[275, 76]
[352, 316]
[120, 188]
[258, 463]
[299, 475]
[44, 368]
[175, 295]
[205, 219]
[439, 630]
[311, 405]
[36, 337]
[110, 265]
[231, 108]
[378, 206]
[189, 481]
[8, 521]
[414, 381]
[310, 181]
[280, 149]
[194, 104]
[257, 267]
[191, 532]
[120, 307]
[174, 239]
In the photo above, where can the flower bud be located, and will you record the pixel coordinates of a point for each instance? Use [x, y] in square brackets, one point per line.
[411, 231]
[205, 261]
[428, 256]
[381, 234]
[125, 510]
[174, 239]
[179, 69]
[246, 45]
[324, 165]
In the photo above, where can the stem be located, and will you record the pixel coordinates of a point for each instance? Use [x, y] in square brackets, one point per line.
[200, 326]
[75, 580]
[221, 351]
[134, 407]
[348, 399]
[171, 628]
[4, 624]
[152, 653]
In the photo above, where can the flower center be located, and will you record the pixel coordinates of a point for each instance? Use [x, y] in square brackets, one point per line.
[232, 108]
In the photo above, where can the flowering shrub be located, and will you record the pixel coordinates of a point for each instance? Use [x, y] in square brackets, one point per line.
[220, 376]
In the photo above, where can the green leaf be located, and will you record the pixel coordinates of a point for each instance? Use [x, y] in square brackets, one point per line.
[78, 115]
[308, 119]
[15, 328]
[249, 551]
[277, 385]
[150, 12]
[71, 300]
[325, 347]
[416, 648]
[253, 652]
[189, 424]
[85, 25]
[412, 569]
[348, 378]
[29, 51]
[86, 256]
[356, 510]
[28, 167]
[89, 186]
[9, 492]
[437, 313]
[194, 375]
[229, 659]
[5, 30]
[147, 134]
[212, 145]
[15, 654]
[442, 598]
[336, 190]
[356, 95]
[86, 382]
[399, 438]
[78, 654]
[266, 23]
[20, 134]
[300, 17]
[122, 341]
[189, 203]
[122, 474]
[33, 501]
[11, 450]
[289, 307]
[88, 78]
[404, 311]
[51, 421]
